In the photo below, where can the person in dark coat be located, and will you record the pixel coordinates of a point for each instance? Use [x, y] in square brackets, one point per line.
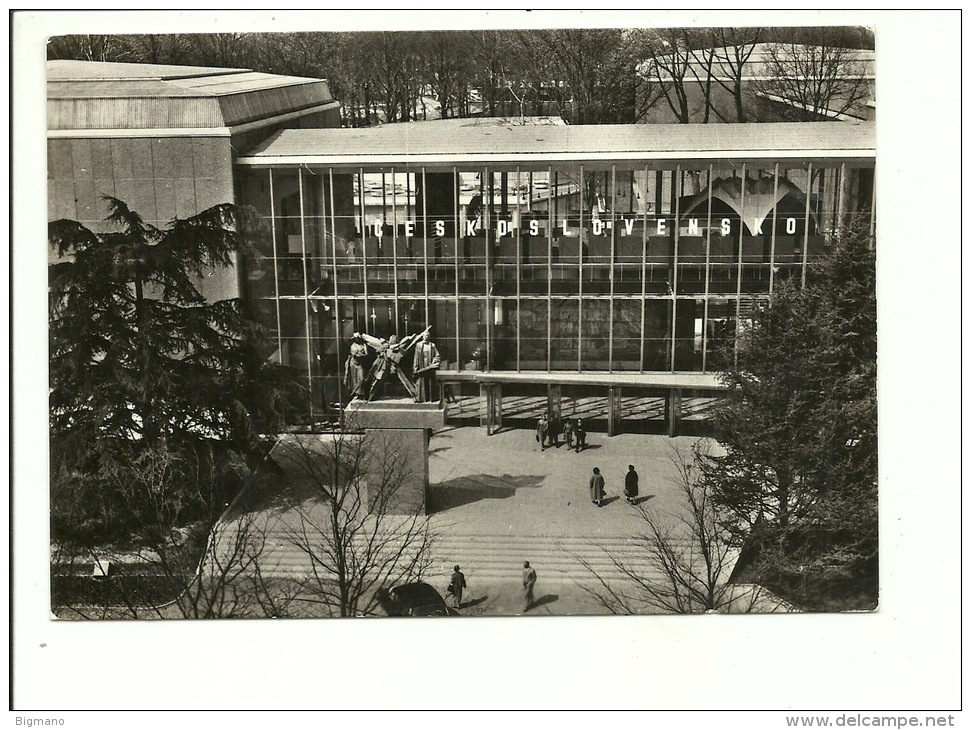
[630, 485]
[456, 586]
[556, 426]
[580, 434]
[568, 433]
[597, 488]
[529, 580]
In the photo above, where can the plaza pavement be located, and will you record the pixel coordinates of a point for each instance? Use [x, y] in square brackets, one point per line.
[505, 484]
[498, 500]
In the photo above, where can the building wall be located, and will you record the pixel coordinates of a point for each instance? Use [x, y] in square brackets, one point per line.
[722, 103]
[756, 108]
[160, 178]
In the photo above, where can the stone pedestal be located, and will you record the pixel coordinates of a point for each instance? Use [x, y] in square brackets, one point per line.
[397, 432]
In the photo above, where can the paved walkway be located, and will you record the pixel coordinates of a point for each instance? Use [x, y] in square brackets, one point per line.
[495, 501]
[504, 483]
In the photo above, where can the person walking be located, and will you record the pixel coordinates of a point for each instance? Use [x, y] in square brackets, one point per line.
[597, 487]
[580, 434]
[529, 580]
[630, 485]
[456, 586]
[556, 425]
[542, 427]
[568, 433]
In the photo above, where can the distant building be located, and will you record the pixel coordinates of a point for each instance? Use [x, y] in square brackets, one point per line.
[164, 138]
[764, 94]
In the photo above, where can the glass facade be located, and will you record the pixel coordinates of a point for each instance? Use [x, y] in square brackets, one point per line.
[607, 267]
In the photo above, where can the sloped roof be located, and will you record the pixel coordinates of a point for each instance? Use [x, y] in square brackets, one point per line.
[433, 143]
[94, 95]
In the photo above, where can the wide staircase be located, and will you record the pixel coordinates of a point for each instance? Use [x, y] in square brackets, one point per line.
[498, 558]
[490, 557]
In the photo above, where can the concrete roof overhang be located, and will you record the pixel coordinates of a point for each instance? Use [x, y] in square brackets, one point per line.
[436, 145]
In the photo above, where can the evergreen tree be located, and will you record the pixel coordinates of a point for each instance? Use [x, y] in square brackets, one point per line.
[799, 428]
[140, 361]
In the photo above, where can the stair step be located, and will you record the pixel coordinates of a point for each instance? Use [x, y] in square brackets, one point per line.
[496, 556]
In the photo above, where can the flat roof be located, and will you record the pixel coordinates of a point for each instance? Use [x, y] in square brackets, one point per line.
[86, 95]
[431, 143]
[75, 70]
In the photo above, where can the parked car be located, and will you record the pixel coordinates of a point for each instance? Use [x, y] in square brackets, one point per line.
[415, 599]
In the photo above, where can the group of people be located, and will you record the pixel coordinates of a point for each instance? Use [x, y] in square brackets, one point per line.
[549, 428]
[598, 486]
[457, 586]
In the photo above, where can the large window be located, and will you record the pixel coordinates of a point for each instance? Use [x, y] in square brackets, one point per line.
[600, 266]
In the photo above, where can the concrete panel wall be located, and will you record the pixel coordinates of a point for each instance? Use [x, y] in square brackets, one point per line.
[160, 178]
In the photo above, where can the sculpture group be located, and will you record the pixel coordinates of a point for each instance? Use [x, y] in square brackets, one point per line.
[367, 383]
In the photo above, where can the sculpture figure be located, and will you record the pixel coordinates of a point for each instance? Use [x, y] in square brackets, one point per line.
[354, 366]
[390, 353]
[425, 367]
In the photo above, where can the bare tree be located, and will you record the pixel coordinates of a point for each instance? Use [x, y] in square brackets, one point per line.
[446, 68]
[814, 79]
[689, 66]
[671, 69]
[735, 49]
[160, 48]
[359, 529]
[169, 567]
[87, 48]
[589, 75]
[689, 556]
